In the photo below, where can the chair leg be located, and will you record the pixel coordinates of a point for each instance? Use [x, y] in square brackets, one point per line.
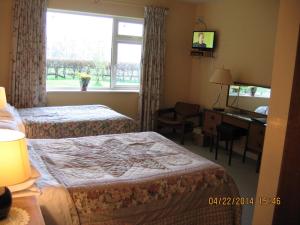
[212, 141]
[156, 127]
[230, 152]
[217, 147]
[182, 135]
[226, 146]
[258, 163]
[182, 139]
[244, 155]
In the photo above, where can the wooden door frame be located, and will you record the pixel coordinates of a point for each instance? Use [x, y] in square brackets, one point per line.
[289, 181]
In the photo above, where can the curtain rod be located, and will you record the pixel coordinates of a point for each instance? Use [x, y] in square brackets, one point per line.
[122, 2]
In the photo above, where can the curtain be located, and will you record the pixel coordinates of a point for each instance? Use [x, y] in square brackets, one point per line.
[153, 61]
[28, 84]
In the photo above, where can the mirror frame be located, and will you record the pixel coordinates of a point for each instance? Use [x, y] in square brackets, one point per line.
[244, 110]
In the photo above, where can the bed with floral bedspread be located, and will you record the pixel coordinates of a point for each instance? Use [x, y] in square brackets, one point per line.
[130, 179]
[74, 121]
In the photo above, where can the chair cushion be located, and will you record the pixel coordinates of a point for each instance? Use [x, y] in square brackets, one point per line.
[168, 121]
[228, 131]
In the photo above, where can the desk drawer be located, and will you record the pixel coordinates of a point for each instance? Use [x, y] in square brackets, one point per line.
[256, 137]
[211, 120]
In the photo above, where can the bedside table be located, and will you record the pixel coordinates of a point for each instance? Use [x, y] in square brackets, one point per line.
[31, 206]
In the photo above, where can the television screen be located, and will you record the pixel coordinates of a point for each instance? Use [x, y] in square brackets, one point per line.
[204, 40]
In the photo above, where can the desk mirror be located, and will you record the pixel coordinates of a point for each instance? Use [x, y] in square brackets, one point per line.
[249, 97]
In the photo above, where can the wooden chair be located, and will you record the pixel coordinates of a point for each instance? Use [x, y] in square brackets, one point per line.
[228, 133]
[211, 120]
[178, 118]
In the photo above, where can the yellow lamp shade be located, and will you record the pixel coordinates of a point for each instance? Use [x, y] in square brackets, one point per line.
[2, 97]
[221, 76]
[14, 159]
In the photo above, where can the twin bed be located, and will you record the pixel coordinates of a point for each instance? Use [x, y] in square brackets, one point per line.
[121, 179]
[74, 121]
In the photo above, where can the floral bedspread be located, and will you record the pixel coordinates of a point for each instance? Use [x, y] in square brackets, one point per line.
[74, 121]
[138, 178]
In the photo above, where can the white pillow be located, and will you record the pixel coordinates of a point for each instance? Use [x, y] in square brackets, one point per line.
[15, 117]
[262, 110]
[8, 124]
[5, 113]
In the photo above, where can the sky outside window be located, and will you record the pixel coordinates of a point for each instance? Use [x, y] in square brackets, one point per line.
[78, 37]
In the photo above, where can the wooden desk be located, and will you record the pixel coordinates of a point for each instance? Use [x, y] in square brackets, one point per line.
[213, 118]
[256, 130]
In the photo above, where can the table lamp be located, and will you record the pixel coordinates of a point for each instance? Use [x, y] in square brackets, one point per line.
[222, 77]
[2, 97]
[14, 166]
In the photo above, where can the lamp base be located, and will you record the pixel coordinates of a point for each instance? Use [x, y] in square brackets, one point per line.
[5, 202]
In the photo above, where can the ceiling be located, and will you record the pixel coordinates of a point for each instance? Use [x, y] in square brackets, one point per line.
[194, 1]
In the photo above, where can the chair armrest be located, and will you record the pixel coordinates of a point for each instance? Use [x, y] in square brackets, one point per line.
[165, 111]
[193, 115]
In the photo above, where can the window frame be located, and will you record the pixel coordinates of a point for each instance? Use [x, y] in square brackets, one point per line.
[116, 39]
[123, 39]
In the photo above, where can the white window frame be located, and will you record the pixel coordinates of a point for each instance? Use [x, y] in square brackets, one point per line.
[116, 39]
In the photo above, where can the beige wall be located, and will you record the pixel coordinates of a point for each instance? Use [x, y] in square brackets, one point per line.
[245, 43]
[125, 102]
[5, 41]
[282, 79]
[180, 22]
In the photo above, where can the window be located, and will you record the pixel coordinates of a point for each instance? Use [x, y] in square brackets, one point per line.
[108, 49]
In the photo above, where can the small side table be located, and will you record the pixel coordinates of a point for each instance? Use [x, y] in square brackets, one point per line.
[31, 206]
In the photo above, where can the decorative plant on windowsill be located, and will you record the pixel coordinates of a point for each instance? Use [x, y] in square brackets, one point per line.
[253, 91]
[84, 79]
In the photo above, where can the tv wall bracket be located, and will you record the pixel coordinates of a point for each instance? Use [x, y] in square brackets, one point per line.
[202, 53]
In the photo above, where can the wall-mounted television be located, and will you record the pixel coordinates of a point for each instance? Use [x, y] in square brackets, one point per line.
[204, 40]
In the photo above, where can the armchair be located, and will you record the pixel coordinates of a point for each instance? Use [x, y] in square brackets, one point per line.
[178, 118]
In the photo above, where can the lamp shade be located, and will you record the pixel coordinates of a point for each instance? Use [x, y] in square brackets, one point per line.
[14, 160]
[2, 97]
[221, 76]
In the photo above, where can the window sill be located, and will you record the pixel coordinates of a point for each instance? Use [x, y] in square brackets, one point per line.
[93, 91]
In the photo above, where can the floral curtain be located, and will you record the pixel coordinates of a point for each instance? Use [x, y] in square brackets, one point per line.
[153, 61]
[28, 84]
